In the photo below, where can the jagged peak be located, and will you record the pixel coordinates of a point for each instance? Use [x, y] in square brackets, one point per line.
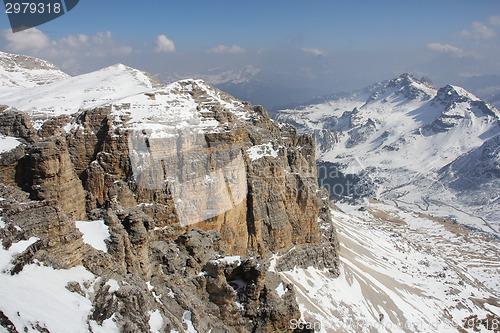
[452, 94]
[408, 80]
[457, 92]
[408, 86]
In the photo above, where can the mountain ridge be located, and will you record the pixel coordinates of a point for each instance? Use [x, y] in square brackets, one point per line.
[131, 207]
[152, 206]
[407, 129]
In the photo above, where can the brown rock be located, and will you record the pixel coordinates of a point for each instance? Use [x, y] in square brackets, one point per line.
[53, 176]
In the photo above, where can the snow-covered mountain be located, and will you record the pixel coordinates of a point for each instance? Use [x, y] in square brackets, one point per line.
[167, 169]
[18, 71]
[428, 149]
[68, 95]
[129, 272]
[401, 272]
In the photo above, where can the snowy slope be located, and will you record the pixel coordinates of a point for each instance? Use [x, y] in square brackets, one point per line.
[420, 273]
[401, 139]
[7, 143]
[392, 260]
[37, 297]
[134, 95]
[17, 71]
[85, 91]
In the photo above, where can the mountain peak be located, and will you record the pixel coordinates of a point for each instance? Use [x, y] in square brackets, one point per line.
[450, 94]
[71, 94]
[18, 71]
[406, 80]
[407, 86]
[406, 76]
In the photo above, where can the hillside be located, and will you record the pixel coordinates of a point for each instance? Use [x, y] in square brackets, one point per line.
[407, 143]
[127, 205]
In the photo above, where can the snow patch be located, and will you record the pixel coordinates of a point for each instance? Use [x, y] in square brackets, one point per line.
[7, 143]
[280, 289]
[108, 326]
[263, 150]
[155, 321]
[229, 260]
[7, 255]
[38, 294]
[186, 319]
[113, 285]
[94, 233]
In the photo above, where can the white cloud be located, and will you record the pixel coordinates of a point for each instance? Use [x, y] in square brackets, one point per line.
[226, 49]
[315, 51]
[102, 45]
[163, 44]
[446, 48]
[495, 20]
[479, 31]
[70, 52]
[36, 42]
[30, 40]
[74, 40]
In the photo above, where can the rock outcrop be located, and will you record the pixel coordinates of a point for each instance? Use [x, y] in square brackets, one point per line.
[187, 275]
[197, 193]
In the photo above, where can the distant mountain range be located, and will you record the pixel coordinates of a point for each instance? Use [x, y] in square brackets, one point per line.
[271, 89]
[406, 141]
[196, 211]
[281, 90]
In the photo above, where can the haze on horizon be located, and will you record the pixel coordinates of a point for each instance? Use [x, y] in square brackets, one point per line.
[288, 50]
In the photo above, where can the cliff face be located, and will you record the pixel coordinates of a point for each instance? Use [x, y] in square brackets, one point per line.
[181, 176]
[209, 172]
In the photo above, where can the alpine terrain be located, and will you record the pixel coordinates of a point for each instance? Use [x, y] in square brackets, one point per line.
[127, 205]
[404, 141]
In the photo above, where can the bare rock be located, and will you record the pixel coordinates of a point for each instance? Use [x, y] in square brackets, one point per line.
[53, 177]
[16, 123]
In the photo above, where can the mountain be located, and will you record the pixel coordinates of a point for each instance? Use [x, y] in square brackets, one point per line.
[408, 143]
[64, 96]
[401, 271]
[216, 76]
[17, 71]
[127, 205]
[132, 206]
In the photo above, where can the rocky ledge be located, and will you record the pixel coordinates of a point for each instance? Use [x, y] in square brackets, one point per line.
[204, 199]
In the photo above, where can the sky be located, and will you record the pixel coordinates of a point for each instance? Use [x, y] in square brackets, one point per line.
[294, 49]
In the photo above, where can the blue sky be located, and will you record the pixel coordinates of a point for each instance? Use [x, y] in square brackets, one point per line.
[321, 46]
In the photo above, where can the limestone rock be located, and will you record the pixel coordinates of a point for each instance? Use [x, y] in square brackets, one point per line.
[16, 123]
[193, 215]
[52, 176]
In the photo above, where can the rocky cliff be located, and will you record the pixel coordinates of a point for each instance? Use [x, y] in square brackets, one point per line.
[195, 189]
